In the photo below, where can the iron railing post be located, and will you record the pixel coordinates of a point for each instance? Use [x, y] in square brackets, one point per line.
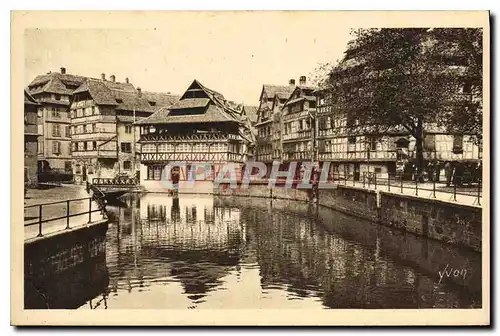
[40, 220]
[375, 180]
[455, 190]
[364, 176]
[67, 214]
[388, 182]
[434, 187]
[90, 210]
[402, 183]
[416, 185]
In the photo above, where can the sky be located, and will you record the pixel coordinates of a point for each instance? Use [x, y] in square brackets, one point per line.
[233, 54]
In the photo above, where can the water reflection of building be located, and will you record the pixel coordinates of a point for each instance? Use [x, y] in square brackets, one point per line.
[163, 239]
[295, 253]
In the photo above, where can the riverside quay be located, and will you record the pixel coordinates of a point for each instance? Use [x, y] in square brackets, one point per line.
[351, 191]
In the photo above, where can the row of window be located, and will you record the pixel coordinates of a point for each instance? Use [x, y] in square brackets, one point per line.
[92, 128]
[265, 131]
[125, 147]
[156, 172]
[69, 130]
[84, 112]
[296, 126]
[54, 112]
[185, 147]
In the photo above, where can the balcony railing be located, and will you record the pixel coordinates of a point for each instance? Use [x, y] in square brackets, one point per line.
[389, 155]
[102, 153]
[299, 135]
[192, 157]
[304, 155]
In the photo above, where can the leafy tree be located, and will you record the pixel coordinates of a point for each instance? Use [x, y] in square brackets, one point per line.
[409, 79]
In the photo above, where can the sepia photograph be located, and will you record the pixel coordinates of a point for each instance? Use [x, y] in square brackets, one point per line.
[188, 166]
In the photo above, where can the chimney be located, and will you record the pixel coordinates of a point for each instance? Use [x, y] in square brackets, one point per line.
[113, 78]
[139, 92]
[126, 80]
[63, 70]
[292, 82]
[103, 76]
[302, 80]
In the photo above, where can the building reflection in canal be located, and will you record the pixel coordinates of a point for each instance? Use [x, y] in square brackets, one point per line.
[200, 251]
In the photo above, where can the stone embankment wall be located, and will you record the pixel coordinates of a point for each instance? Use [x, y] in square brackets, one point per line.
[448, 222]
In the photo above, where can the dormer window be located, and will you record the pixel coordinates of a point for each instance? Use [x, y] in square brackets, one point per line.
[152, 103]
[119, 101]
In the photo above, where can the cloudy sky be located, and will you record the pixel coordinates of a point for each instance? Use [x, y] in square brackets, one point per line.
[232, 53]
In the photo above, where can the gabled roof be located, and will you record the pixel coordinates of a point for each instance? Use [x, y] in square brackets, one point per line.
[101, 94]
[292, 101]
[271, 90]
[198, 104]
[124, 96]
[55, 82]
[251, 112]
[303, 94]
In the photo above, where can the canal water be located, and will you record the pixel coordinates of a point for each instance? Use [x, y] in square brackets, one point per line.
[205, 252]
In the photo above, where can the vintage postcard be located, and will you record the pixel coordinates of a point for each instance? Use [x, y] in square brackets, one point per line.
[250, 168]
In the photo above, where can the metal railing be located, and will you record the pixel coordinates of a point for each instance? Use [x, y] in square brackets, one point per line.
[101, 208]
[415, 186]
[117, 181]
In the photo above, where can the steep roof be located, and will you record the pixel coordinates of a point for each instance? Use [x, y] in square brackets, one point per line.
[251, 112]
[124, 96]
[101, 94]
[271, 89]
[198, 104]
[55, 82]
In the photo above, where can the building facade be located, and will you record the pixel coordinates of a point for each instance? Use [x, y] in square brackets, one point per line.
[297, 123]
[202, 127]
[103, 137]
[54, 91]
[30, 140]
[268, 124]
[354, 150]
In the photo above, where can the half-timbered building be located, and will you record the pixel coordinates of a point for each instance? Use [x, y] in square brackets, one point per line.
[268, 124]
[102, 131]
[53, 91]
[353, 150]
[30, 139]
[297, 122]
[202, 127]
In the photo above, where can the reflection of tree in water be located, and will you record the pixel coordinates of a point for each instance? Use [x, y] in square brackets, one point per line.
[294, 252]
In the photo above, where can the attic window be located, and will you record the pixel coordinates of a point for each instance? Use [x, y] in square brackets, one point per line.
[152, 103]
[119, 101]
